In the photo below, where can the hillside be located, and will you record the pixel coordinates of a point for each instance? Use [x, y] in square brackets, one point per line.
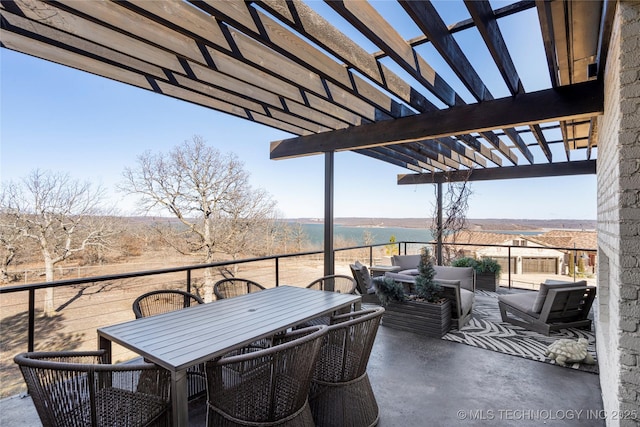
[473, 224]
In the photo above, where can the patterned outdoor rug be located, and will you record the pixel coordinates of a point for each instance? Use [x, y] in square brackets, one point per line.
[487, 330]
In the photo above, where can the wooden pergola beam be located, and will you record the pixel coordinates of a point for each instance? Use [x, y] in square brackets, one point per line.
[578, 101]
[582, 167]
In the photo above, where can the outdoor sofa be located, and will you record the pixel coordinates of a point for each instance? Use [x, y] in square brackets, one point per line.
[458, 283]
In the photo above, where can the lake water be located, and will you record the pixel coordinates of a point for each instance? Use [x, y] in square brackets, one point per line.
[356, 235]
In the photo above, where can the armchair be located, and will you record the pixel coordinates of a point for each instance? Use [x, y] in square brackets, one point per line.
[557, 305]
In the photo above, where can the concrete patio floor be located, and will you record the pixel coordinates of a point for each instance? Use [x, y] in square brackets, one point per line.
[422, 381]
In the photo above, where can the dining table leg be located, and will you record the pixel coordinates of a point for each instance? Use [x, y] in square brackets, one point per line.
[179, 398]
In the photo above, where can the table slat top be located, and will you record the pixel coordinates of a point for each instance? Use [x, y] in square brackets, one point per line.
[183, 338]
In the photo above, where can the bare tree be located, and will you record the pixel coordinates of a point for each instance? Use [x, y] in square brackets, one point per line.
[61, 215]
[219, 213]
[11, 234]
[455, 204]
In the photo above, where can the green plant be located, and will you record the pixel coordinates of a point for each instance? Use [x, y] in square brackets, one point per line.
[481, 266]
[465, 262]
[388, 290]
[489, 265]
[426, 288]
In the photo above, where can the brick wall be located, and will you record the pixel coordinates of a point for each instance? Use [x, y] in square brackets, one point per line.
[618, 334]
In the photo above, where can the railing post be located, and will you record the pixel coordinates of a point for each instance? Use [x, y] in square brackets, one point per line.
[370, 255]
[575, 261]
[32, 320]
[509, 266]
[189, 281]
[277, 271]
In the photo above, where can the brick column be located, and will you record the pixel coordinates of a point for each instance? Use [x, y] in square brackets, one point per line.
[618, 334]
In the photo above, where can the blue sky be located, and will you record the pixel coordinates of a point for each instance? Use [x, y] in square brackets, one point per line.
[56, 118]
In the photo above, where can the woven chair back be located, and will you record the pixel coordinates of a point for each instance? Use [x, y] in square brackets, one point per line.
[233, 287]
[164, 301]
[77, 389]
[335, 282]
[264, 387]
[347, 346]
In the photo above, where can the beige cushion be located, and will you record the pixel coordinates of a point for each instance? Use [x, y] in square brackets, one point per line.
[463, 274]
[552, 284]
[521, 301]
[466, 296]
[398, 277]
[406, 262]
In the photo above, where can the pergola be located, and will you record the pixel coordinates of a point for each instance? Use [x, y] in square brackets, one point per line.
[286, 65]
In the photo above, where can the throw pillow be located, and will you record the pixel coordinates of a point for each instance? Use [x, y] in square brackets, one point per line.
[367, 279]
[551, 284]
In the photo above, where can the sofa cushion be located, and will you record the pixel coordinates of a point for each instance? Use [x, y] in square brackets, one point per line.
[466, 296]
[399, 277]
[410, 272]
[464, 274]
[366, 277]
[551, 284]
[521, 301]
[406, 262]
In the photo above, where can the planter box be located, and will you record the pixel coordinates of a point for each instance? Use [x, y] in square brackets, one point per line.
[487, 281]
[421, 317]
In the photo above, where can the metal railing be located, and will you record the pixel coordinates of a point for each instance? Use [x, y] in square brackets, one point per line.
[296, 269]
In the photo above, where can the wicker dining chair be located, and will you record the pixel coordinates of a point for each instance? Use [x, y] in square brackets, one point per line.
[341, 393]
[341, 283]
[265, 387]
[233, 287]
[77, 389]
[165, 301]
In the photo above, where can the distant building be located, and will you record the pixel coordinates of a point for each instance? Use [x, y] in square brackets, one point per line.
[543, 253]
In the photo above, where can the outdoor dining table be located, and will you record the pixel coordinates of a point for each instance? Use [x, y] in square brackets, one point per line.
[180, 339]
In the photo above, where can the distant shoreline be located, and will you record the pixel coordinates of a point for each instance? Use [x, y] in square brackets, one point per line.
[493, 224]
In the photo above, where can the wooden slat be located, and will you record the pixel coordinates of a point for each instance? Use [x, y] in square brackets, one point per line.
[313, 26]
[582, 167]
[548, 39]
[246, 49]
[487, 25]
[542, 141]
[426, 17]
[372, 153]
[402, 154]
[286, 43]
[480, 148]
[431, 24]
[322, 32]
[212, 76]
[577, 101]
[183, 88]
[461, 149]
[370, 23]
[364, 17]
[465, 24]
[500, 146]
[278, 62]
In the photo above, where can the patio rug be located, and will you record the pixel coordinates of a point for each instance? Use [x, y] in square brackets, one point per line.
[487, 330]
